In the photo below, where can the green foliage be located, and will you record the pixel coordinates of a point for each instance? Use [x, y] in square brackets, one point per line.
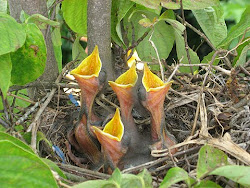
[187, 4]
[162, 36]
[77, 50]
[176, 175]
[3, 6]
[212, 22]
[23, 51]
[21, 167]
[57, 43]
[142, 180]
[75, 15]
[33, 57]
[238, 29]
[233, 9]
[41, 21]
[119, 10]
[207, 183]
[242, 58]
[5, 73]
[182, 53]
[12, 34]
[211, 161]
[239, 174]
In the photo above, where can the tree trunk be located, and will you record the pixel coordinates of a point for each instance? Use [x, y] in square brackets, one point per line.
[37, 7]
[99, 32]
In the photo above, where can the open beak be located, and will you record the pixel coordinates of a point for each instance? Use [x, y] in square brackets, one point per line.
[156, 91]
[111, 139]
[123, 87]
[87, 76]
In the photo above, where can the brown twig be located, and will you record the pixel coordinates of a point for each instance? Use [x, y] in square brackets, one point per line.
[83, 172]
[34, 125]
[138, 41]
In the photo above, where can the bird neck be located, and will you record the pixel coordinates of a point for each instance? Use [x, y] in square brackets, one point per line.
[157, 122]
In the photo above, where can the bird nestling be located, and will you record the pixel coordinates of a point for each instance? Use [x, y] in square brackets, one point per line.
[91, 79]
[152, 96]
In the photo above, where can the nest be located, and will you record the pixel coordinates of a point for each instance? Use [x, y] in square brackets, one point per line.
[210, 108]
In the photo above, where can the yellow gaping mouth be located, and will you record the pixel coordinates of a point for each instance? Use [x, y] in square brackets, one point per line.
[114, 129]
[152, 82]
[89, 67]
[127, 79]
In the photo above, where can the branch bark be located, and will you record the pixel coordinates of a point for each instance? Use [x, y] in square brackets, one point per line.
[99, 32]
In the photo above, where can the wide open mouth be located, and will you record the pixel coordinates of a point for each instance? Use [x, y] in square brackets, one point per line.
[152, 82]
[114, 129]
[89, 67]
[127, 79]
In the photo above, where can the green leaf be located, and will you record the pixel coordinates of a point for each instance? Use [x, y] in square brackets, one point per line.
[77, 50]
[21, 168]
[212, 22]
[175, 175]
[189, 4]
[163, 37]
[131, 180]
[153, 4]
[182, 54]
[116, 176]
[75, 15]
[2, 128]
[209, 57]
[28, 62]
[170, 18]
[238, 29]
[146, 178]
[119, 10]
[5, 73]
[145, 22]
[3, 6]
[57, 43]
[239, 174]
[24, 16]
[54, 167]
[41, 21]
[209, 158]
[207, 184]
[96, 184]
[5, 136]
[243, 56]
[12, 34]
[233, 9]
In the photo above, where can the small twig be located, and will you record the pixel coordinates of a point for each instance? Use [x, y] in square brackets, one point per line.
[173, 73]
[185, 37]
[82, 171]
[202, 35]
[69, 39]
[6, 125]
[21, 98]
[202, 90]
[44, 85]
[35, 123]
[32, 109]
[157, 54]
[138, 41]
[160, 160]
